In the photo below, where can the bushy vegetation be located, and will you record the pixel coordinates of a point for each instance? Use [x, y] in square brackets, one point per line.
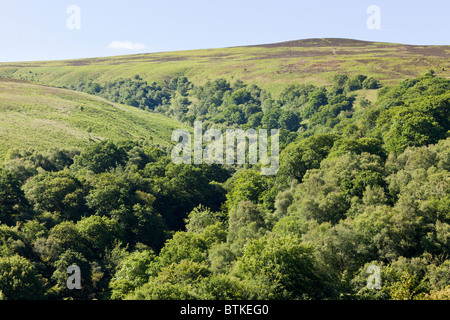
[223, 104]
[358, 185]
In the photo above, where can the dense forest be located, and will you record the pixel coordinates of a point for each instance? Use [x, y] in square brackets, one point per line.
[360, 184]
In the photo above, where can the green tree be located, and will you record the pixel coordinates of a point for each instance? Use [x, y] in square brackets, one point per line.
[134, 271]
[246, 185]
[199, 218]
[19, 279]
[60, 275]
[282, 267]
[61, 238]
[270, 120]
[300, 156]
[403, 127]
[289, 121]
[371, 83]
[13, 204]
[245, 222]
[59, 192]
[98, 235]
[101, 157]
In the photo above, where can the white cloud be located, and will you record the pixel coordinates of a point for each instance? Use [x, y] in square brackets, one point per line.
[127, 45]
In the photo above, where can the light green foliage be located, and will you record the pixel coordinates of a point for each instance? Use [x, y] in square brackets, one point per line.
[246, 185]
[134, 271]
[281, 267]
[200, 218]
[184, 245]
[155, 290]
[324, 194]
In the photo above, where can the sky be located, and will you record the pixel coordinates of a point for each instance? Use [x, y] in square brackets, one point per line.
[33, 30]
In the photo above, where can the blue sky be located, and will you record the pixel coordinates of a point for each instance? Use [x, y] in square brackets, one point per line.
[37, 30]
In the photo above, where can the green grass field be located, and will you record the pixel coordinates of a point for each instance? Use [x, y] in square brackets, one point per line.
[44, 117]
[271, 66]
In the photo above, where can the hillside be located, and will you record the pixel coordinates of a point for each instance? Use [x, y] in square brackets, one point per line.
[271, 66]
[360, 200]
[44, 117]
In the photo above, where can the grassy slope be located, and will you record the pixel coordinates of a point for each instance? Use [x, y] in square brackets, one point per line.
[43, 117]
[270, 66]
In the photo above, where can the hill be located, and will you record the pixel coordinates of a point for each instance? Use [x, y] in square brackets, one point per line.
[271, 66]
[44, 117]
[361, 200]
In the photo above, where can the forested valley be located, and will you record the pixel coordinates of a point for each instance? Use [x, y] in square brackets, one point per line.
[361, 183]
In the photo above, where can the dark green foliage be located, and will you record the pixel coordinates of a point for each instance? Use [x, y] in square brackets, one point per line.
[57, 192]
[13, 204]
[371, 83]
[289, 121]
[101, 157]
[301, 156]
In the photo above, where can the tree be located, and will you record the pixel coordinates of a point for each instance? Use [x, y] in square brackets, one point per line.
[59, 192]
[134, 271]
[289, 121]
[147, 227]
[245, 222]
[184, 272]
[60, 275]
[403, 127]
[19, 279]
[13, 204]
[199, 218]
[155, 290]
[223, 287]
[340, 80]
[184, 245]
[315, 100]
[246, 185]
[282, 267]
[109, 192]
[300, 156]
[371, 83]
[270, 120]
[98, 235]
[101, 157]
[191, 246]
[241, 96]
[62, 237]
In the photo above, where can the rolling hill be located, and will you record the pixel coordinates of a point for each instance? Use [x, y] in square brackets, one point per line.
[36, 110]
[362, 191]
[271, 66]
[44, 117]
